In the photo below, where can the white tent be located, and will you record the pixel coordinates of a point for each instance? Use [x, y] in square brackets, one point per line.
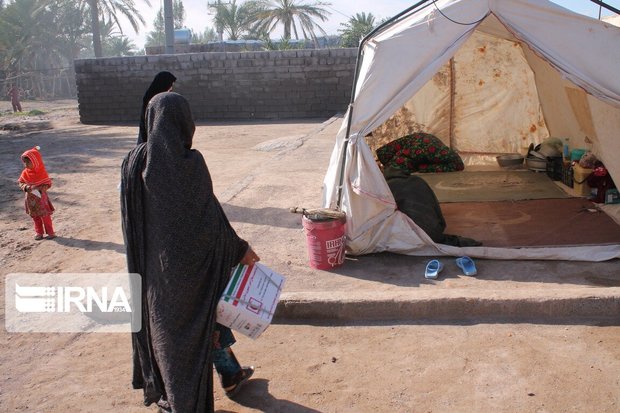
[571, 88]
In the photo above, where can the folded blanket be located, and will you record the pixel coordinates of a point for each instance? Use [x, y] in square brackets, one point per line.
[420, 152]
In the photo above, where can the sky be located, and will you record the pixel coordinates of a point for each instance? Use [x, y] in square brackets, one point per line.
[198, 16]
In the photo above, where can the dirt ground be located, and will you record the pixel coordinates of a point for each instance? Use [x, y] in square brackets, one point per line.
[309, 367]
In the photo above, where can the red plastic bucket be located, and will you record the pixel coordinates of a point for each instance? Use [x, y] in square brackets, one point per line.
[326, 242]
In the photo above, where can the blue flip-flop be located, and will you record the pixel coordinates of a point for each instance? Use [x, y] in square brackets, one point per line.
[433, 268]
[467, 265]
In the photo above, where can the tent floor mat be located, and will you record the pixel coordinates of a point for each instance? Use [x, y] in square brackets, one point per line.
[508, 185]
[532, 223]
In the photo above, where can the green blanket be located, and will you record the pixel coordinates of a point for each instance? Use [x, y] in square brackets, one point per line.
[492, 186]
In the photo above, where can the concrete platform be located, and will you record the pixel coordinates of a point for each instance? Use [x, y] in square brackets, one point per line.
[483, 305]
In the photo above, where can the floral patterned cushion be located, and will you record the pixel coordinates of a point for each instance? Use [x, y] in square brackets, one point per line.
[420, 152]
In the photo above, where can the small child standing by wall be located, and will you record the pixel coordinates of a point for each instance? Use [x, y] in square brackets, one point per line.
[14, 93]
[35, 182]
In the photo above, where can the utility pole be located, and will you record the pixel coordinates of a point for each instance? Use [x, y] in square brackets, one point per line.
[169, 26]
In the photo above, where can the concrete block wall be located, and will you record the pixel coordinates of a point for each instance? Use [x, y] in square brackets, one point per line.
[240, 85]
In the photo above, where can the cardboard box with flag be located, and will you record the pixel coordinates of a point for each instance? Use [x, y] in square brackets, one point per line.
[250, 299]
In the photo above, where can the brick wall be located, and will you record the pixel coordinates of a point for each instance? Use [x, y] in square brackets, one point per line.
[240, 85]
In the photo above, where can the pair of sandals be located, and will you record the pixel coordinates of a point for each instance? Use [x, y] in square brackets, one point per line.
[434, 267]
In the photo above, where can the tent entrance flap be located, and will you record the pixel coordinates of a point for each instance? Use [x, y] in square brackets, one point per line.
[364, 41]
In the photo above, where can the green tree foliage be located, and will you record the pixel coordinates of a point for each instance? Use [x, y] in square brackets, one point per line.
[115, 43]
[111, 10]
[282, 44]
[119, 46]
[356, 28]
[24, 38]
[157, 36]
[293, 16]
[38, 41]
[235, 19]
[71, 28]
[208, 35]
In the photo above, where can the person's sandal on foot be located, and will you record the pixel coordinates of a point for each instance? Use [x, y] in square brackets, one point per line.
[238, 381]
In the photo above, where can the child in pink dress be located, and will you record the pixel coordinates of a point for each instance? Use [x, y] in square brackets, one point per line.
[35, 182]
[14, 93]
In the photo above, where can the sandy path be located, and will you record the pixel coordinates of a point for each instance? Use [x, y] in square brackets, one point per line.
[300, 368]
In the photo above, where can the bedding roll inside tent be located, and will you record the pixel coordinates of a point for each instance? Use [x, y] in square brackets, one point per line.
[486, 77]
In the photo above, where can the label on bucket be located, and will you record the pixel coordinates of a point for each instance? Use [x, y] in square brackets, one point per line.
[335, 251]
[326, 243]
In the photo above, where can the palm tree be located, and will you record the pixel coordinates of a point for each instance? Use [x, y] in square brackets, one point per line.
[356, 28]
[115, 43]
[72, 29]
[119, 46]
[291, 14]
[33, 43]
[112, 9]
[19, 39]
[234, 19]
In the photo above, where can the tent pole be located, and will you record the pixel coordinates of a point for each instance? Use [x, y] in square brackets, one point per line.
[344, 154]
[452, 97]
[355, 79]
[607, 6]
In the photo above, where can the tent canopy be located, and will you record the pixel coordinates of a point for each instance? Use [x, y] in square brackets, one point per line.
[523, 70]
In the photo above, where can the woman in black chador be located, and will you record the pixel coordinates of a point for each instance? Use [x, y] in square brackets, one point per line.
[181, 243]
[162, 82]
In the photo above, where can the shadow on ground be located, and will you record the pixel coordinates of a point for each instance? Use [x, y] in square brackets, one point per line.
[274, 217]
[255, 395]
[90, 245]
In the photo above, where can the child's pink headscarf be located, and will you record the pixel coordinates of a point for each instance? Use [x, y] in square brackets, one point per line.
[37, 175]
